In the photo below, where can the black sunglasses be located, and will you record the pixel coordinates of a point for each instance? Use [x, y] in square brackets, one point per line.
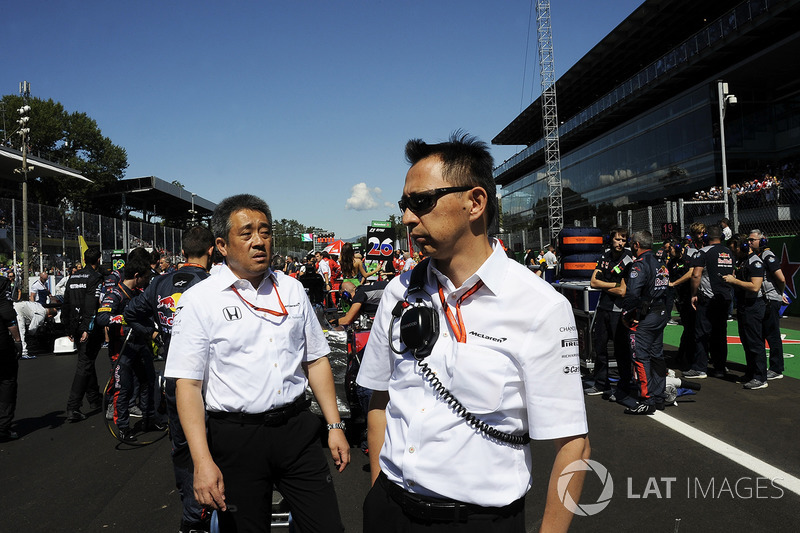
[422, 202]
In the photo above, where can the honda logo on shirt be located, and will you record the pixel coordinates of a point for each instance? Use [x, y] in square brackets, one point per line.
[232, 313]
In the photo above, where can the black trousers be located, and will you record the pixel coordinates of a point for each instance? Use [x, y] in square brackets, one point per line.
[687, 346]
[181, 459]
[254, 457]
[772, 332]
[608, 327]
[9, 367]
[647, 350]
[134, 361]
[750, 314]
[711, 334]
[85, 381]
[382, 514]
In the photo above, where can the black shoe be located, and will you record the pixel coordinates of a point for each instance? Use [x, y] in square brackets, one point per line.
[95, 407]
[75, 416]
[126, 435]
[152, 424]
[7, 435]
[641, 409]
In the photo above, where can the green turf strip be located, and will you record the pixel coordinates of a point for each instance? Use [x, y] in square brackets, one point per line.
[672, 336]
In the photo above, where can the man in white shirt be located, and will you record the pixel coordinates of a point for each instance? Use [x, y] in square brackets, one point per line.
[30, 316]
[39, 291]
[505, 348]
[244, 345]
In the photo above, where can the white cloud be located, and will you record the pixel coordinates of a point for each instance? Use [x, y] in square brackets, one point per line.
[363, 198]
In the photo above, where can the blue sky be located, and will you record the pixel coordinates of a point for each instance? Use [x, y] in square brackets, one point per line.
[307, 104]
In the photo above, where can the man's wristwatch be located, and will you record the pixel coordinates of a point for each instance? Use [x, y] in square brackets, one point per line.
[338, 425]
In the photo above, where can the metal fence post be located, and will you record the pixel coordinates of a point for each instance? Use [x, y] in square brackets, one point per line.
[41, 242]
[680, 216]
[650, 218]
[619, 218]
[735, 213]
[630, 221]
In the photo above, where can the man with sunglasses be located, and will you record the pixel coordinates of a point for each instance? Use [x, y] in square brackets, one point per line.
[506, 349]
[245, 343]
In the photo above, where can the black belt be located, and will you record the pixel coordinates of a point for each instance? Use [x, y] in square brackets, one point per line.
[273, 417]
[435, 509]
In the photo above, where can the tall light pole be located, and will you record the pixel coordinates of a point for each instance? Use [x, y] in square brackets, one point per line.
[24, 131]
[193, 212]
[724, 99]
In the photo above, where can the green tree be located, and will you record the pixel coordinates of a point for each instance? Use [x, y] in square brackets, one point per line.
[73, 140]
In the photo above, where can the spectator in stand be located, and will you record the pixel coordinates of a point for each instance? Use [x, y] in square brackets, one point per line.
[727, 234]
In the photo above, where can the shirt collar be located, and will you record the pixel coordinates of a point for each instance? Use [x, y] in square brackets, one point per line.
[492, 272]
[228, 278]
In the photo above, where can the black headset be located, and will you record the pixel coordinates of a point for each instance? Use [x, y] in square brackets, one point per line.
[419, 324]
[419, 330]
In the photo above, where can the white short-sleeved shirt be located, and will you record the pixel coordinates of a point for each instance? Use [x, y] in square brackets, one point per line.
[324, 268]
[249, 361]
[518, 371]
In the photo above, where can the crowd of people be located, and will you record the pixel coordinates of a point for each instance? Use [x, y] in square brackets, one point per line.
[450, 353]
[704, 275]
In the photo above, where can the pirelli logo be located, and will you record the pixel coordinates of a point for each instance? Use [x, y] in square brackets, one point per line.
[569, 343]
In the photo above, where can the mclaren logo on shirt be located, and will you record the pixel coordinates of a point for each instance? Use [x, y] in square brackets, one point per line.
[232, 313]
[487, 337]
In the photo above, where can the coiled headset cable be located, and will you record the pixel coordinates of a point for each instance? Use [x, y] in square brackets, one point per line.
[459, 409]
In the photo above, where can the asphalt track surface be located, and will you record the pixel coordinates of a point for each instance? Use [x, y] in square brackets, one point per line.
[62, 477]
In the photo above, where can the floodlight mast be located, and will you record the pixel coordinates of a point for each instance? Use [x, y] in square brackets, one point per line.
[552, 152]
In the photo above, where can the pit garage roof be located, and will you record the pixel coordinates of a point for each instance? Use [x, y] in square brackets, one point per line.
[11, 164]
[653, 29]
[154, 196]
[768, 46]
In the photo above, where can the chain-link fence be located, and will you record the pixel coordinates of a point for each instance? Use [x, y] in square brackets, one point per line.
[774, 215]
[53, 235]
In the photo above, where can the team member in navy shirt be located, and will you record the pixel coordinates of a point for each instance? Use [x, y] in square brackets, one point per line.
[711, 297]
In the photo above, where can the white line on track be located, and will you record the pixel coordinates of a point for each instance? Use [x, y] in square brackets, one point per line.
[736, 455]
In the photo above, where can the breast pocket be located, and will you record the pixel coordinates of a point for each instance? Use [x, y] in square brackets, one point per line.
[479, 377]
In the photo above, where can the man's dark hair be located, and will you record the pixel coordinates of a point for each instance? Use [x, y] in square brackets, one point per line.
[92, 255]
[644, 238]
[137, 264]
[725, 221]
[618, 231]
[139, 253]
[714, 232]
[196, 241]
[155, 257]
[466, 162]
[325, 254]
[221, 219]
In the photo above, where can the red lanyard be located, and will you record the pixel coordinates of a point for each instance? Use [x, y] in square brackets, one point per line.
[261, 309]
[194, 265]
[459, 330]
